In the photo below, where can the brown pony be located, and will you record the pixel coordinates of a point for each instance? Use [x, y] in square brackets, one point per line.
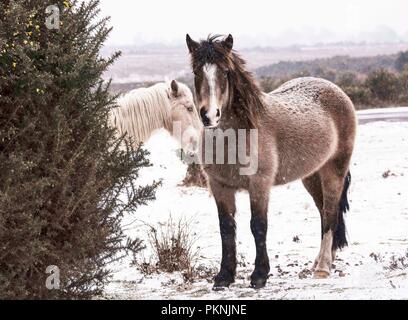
[306, 130]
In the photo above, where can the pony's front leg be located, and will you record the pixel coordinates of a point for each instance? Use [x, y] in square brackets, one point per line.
[225, 200]
[259, 197]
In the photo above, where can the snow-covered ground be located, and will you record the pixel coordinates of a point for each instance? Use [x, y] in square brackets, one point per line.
[377, 230]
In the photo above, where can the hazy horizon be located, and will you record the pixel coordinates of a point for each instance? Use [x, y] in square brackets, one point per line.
[258, 22]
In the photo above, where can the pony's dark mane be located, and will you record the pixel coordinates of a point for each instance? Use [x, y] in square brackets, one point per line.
[245, 97]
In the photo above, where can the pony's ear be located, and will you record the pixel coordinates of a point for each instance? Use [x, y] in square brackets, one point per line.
[191, 44]
[228, 42]
[174, 88]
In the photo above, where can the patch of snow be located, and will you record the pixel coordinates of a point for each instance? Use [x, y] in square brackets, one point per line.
[377, 223]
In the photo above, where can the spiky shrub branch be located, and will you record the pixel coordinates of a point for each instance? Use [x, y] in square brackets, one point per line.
[65, 179]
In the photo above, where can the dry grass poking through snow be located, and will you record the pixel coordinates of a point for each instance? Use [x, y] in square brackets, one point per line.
[173, 245]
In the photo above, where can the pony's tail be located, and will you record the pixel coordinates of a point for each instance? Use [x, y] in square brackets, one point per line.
[339, 239]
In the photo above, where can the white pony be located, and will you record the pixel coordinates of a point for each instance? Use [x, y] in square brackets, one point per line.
[168, 105]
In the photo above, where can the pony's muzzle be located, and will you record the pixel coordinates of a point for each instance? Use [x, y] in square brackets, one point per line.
[207, 120]
[193, 145]
[191, 141]
[204, 118]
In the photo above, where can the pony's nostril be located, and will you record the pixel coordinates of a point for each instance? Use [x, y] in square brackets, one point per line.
[193, 144]
[218, 112]
[206, 121]
[202, 112]
[204, 118]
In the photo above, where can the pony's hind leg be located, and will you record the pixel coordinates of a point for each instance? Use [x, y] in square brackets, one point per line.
[313, 185]
[225, 200]
[333, 177]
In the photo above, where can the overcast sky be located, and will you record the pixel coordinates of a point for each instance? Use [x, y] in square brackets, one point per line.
[257, 22]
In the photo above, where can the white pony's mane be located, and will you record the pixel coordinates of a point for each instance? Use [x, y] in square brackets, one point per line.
[141, 111]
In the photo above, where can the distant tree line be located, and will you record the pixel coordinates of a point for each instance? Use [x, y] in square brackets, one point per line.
[379, 81]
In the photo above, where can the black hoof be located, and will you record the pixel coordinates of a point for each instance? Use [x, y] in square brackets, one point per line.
[220, 287]
[258, 283]
[258, 280]
[222, 281]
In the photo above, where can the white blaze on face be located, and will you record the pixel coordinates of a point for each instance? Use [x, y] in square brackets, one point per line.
[210, 71]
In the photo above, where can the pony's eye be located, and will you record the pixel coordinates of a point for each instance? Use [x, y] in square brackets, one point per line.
[190, 108]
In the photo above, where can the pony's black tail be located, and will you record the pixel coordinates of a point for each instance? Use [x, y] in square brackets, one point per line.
[339, 239]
